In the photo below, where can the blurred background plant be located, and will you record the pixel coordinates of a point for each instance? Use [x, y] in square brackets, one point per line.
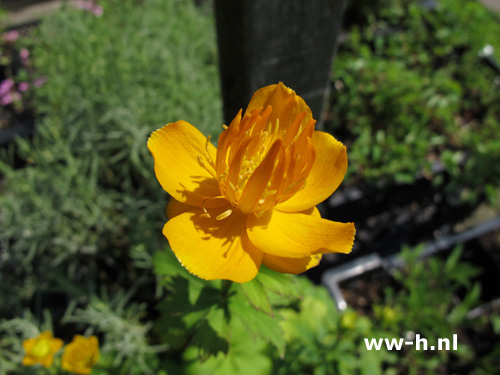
[411, 90]
[18, 78]
[80, 210]
[86, 201]
[81, 250]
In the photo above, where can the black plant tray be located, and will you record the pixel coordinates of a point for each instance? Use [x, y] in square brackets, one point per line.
[21, 129]
[388, 217]
[375, 269]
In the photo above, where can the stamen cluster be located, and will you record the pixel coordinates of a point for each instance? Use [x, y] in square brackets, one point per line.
[259, 164]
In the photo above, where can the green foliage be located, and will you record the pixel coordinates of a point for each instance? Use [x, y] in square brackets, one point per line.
[426, 303]
[82, 217]
[125, 346]
[88, 196]
[205, 316]
[126, 74]
[244, 354]
[321, 340]
[427, 293]
[412, 90]
[81, 221]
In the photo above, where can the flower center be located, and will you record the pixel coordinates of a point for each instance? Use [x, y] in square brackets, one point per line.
[260, 163]
[41, 348]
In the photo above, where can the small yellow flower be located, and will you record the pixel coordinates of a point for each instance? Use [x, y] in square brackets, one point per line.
[252, 200]
[81, 355]
[348, 319]
[41, 349]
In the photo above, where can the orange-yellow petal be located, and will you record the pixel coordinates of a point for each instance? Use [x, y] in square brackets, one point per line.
[41, 349]
[29, 361]
[297, 235]
[47, 361]
[286, 104]
[28, 344]
[81, 355]
[291, 265]
[94, 342]
[211, 248]
[56, 344]
[325, 177]
[182, 162]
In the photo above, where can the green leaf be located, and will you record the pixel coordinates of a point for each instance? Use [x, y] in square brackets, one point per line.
[256, 294]
[187, 296]
[245, 356]
[279, 283]
[166, 264]
[189, 302]
[453, 258]
[258, 322]
[495, 322]
[208, 340]
[296, 327]
[370, 363]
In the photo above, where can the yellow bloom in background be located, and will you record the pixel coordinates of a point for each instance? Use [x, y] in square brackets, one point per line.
[41, 349]
[252, 200]
[81, 354]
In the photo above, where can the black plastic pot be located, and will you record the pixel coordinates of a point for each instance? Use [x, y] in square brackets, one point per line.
[360, 267]
[22, 129]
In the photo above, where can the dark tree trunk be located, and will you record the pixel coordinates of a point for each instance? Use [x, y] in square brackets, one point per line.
[262, 42]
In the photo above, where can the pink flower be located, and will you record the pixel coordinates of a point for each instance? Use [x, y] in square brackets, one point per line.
[6, 99]
[5, 86]
[40, 81]
[10, 36]
[98, 11]
[24, 53]
[87, 5]
[23, 86]
[90, 6]
[8, 93]
[10, 97]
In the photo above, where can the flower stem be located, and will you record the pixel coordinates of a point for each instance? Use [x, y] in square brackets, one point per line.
[226, 285]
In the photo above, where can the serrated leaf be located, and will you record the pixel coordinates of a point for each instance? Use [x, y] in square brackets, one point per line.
[188, 296]
[279, 283]
[294, 327]
[258, 322]
[208, 341]
[256, 294]
[245, 356]
[184, 308]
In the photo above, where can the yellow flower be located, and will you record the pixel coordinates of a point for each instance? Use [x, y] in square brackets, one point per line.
[252, 200]
[81, 354]
[41, 349]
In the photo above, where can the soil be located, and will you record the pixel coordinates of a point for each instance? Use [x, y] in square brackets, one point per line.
[361, 292]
